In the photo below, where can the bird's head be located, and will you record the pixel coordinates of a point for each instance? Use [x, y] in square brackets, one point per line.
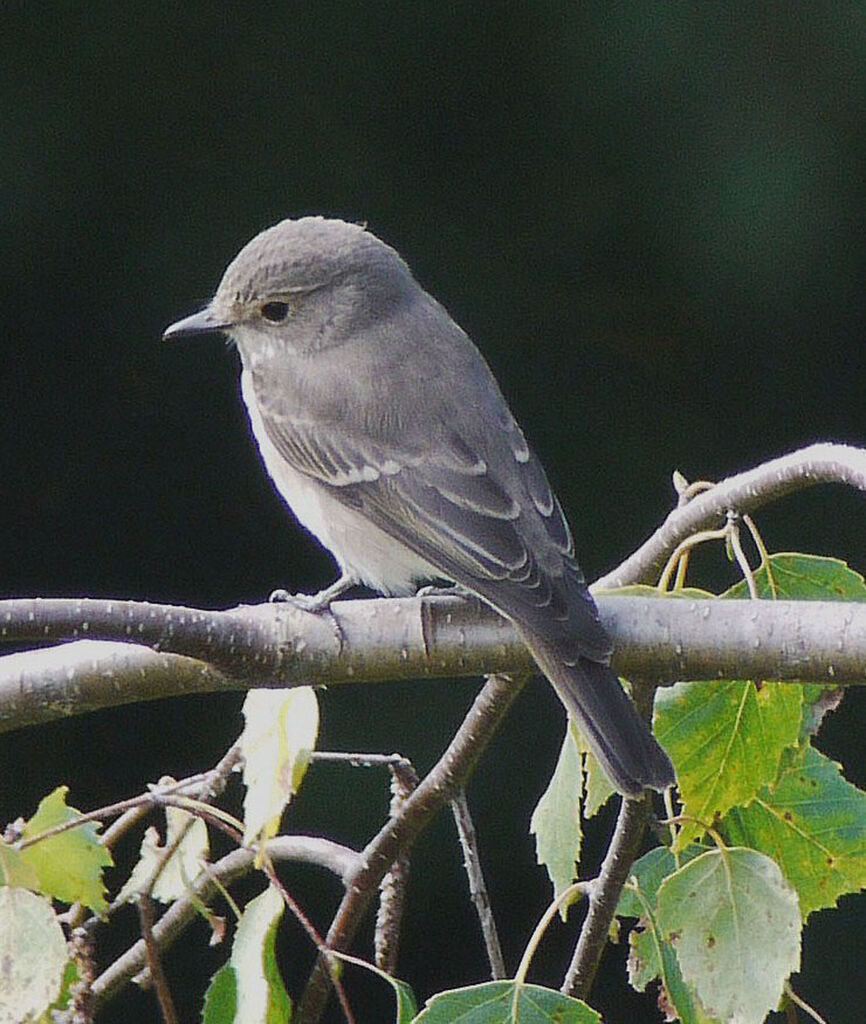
[303, 285]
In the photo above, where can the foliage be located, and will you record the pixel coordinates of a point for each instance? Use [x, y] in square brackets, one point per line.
[767, 832]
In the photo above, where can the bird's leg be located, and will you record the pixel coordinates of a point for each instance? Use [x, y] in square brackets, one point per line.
[318, 603]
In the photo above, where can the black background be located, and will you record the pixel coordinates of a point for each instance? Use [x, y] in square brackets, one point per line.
[650, 218]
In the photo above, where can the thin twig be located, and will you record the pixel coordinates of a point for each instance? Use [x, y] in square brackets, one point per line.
[745, 492]
[157, 975]
[340, 860]
[604, 896]
[477, 887]
[313, 934]
[447, 776]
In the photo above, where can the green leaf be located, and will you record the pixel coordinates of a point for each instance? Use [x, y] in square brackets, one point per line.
[33, 956]
[407, 1008]
[278, 738]
[221, 998]
[726, 741]
[493, 1003]
[182, 866]
[646, 876]
[15, 869]
[791, 576]
[598, 788]
[813, 824]
[650, 957]
[735, 925]
[261, 995]
[555, 821]
[68, 865]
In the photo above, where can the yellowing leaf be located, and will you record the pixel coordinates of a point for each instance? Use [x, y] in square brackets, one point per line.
[182, 865]
[68, 865]
[813, 824]
[278, 738]
[726, 740]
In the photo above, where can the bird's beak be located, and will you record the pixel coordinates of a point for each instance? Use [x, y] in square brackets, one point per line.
[203, 322]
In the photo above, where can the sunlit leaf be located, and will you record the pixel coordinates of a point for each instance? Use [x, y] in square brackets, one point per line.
[278, 738]
[183, 864]
[69, 865]
[726, 741]
[556, 819]
[33, 955]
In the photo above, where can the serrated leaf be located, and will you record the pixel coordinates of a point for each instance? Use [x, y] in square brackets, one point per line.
[646, 876]
[555, 821]
[33, 956]
[735, 925]
[726, 741]
[813, 824]
[493, 1003]
[792, 576]
[68, 865]
[182, 866]
[278, 738]
[261, 994]
[221, 998]
[598, 788]
[650, 957]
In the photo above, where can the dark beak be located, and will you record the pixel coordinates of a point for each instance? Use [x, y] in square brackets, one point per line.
[203, 322]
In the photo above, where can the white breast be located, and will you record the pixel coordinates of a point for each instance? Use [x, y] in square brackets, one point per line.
[361, 549]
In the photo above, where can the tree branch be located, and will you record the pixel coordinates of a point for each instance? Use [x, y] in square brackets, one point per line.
[397, 836]
[745, 492]
[180, 915]
[661, 640]
[604, 896]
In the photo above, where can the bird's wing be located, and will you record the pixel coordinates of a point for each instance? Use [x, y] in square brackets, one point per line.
[503, 536]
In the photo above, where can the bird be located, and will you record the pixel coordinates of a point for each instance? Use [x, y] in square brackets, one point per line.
[387, 435]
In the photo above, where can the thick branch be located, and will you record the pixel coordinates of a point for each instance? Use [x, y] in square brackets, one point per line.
[745, 492]
[604, 896]
[660, 640]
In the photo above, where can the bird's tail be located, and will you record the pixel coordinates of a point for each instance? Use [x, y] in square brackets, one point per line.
[604, 713]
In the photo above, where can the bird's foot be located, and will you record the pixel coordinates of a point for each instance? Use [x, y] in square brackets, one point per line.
[320, 603]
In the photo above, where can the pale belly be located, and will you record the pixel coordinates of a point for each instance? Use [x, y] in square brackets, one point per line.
[361, 549]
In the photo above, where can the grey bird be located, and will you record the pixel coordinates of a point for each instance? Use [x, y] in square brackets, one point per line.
[386, 433]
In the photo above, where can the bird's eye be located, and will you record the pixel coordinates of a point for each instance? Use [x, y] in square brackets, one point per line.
[275, 312]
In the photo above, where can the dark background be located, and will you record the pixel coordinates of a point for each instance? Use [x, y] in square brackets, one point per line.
[650, 217]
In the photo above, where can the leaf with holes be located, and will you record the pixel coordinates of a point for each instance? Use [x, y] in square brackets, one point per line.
[813, 824]
[734, 922]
